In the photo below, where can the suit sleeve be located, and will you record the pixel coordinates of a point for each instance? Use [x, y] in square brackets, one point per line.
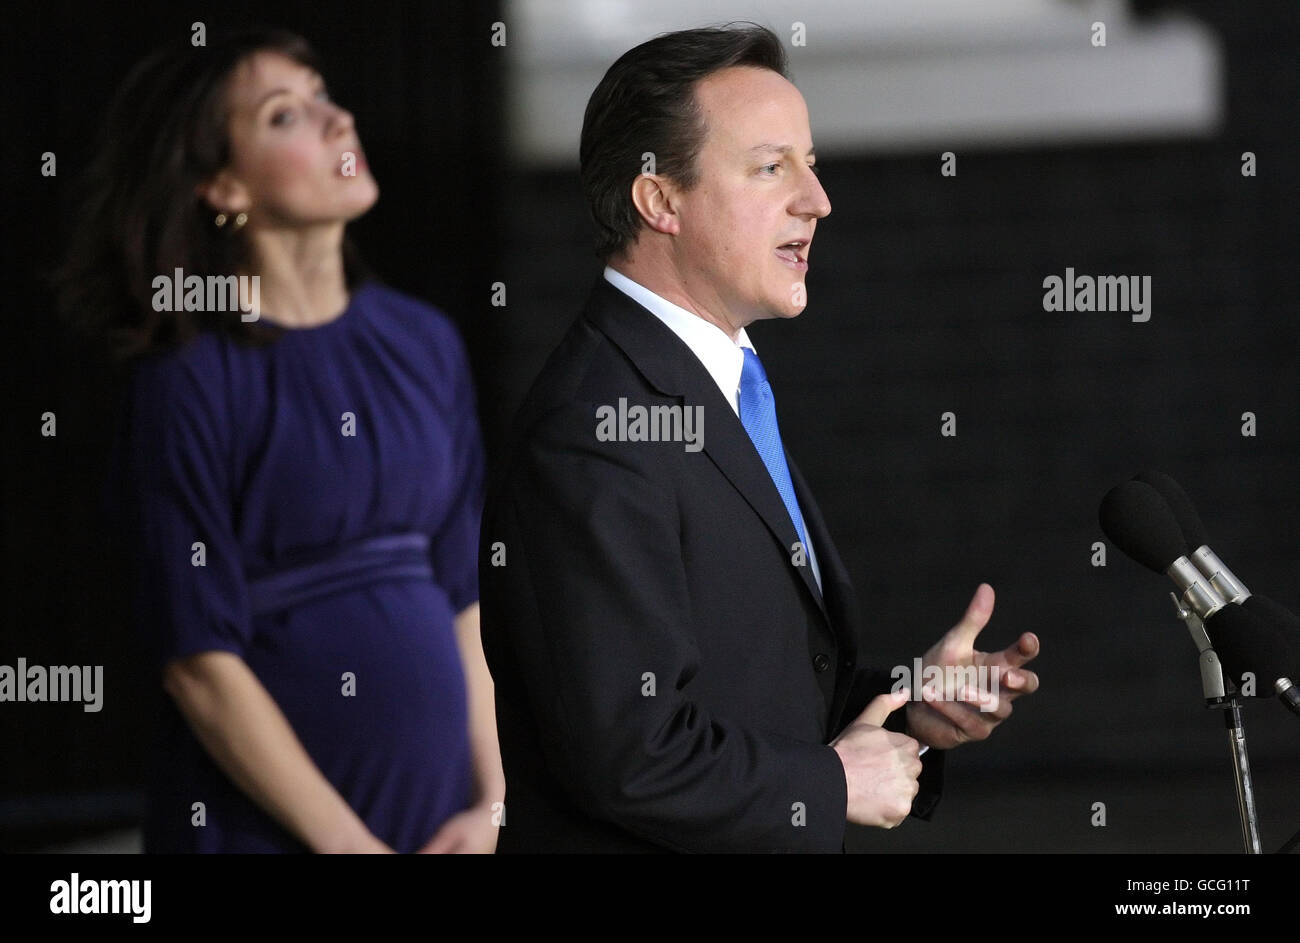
[610, 659]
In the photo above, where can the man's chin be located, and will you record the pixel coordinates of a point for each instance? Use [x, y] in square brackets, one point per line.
[793, 299]
[792, 308]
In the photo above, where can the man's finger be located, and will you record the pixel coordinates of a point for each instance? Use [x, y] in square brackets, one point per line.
[882, 706]
[976, 617]
[1020, 681]
[1021, 651]
[992, 702]
[973, 723]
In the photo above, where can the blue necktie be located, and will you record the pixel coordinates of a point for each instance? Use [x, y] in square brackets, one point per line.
[758, 416]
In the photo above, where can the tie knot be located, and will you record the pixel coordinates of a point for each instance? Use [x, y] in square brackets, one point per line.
[752, 375]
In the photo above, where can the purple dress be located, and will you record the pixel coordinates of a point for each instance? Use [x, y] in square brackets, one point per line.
[334, 481]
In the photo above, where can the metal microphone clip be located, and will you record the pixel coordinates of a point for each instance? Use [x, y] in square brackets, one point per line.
[1223, 580]
[1211, 669]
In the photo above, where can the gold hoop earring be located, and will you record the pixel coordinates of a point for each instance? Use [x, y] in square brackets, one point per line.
[239, 221]
[220, 220]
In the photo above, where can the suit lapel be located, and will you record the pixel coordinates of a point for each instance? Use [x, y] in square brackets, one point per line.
[674, 370]
[838, 589]
[841, 602]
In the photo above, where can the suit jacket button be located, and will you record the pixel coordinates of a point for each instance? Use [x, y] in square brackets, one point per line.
[821, 662]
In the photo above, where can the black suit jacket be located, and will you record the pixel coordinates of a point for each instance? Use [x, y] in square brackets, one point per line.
[666, 677]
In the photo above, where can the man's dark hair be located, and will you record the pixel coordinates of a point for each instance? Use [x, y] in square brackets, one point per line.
[646, 103]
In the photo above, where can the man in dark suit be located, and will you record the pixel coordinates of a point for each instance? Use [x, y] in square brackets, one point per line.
[671, 631]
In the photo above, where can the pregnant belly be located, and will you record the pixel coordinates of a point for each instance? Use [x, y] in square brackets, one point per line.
[369, 678]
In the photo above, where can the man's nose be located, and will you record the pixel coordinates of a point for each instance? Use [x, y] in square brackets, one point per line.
[813, 200]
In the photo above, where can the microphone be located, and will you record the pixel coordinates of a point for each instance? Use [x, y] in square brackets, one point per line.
[1266, 641]
[1179, 503]
[1245, 642]
[1136, 519]
[1189, 522]
[1141, 521]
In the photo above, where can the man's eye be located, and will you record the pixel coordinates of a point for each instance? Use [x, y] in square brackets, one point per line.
[770, 168]
[282, 117]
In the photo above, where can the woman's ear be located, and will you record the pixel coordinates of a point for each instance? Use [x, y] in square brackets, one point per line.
[223, 193]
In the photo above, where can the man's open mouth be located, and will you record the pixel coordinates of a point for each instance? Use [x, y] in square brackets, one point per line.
[794, 253]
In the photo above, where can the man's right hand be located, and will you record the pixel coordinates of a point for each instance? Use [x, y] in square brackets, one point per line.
[881, 766]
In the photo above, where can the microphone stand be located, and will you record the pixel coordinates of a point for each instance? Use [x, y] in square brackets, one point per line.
[1212, 685]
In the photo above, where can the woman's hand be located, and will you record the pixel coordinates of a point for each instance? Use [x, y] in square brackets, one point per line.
[471, 832]
[361, 842]
[248, 737]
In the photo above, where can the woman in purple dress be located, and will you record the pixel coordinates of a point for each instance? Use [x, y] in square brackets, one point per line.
[299, 473]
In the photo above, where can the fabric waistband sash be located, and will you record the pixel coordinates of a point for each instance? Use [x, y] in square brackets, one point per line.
[390, 556]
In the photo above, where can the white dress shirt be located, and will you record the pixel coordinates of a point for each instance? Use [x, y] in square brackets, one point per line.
[722, 357]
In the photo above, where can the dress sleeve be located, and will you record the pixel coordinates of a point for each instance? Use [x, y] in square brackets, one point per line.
[176, 485]
[454, 546]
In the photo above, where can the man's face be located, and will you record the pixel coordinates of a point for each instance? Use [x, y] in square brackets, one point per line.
[746, 227]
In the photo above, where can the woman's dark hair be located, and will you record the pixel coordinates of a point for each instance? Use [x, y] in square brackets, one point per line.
[138, 214]
[646, 103]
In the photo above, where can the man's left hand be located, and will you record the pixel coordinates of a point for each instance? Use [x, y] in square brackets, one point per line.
[966, 705]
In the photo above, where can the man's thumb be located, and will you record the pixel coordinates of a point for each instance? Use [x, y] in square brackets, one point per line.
[882, 706]
[975, 618]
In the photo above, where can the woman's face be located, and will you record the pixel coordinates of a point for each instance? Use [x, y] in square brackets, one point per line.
[296, 159]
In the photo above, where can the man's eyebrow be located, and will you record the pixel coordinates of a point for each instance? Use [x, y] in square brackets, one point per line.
[780, 149]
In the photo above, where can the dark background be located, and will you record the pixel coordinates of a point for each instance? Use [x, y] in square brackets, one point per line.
[926, 297]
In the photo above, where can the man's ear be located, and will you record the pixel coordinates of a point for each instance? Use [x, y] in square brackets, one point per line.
[654, 197]
[224, 193]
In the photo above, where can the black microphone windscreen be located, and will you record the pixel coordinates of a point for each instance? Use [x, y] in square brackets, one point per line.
[1184, 511]
[1276, 615]
[1136, 519]
[1246, 642]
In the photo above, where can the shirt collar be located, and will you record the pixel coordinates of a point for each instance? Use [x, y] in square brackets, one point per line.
[722, 357]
